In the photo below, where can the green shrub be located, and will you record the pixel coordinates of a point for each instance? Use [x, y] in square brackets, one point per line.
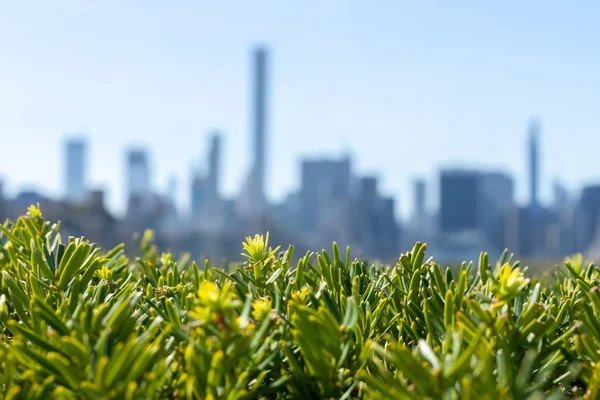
[78, 322]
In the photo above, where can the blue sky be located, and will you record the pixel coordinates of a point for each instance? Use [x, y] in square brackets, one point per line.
[407, 85]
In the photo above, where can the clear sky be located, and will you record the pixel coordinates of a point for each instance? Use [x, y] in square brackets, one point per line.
[408, 86]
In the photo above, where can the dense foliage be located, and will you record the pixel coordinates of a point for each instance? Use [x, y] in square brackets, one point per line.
[77, 322]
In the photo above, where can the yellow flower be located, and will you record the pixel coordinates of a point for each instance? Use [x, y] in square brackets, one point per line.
[34, 211]
[105, 273]
[257, 249]
[213, 301]
[208, 293]
[261, 308]
[301, 296]
[166, 258]
[244, 326]
[510, 283]
[203, 314]
[575, 261]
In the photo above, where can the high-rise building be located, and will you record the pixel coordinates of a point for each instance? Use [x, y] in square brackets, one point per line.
[561, 196]
[589, 220]
[476, 201]
[168, 219]
[373, 221]
[421, 225]
[368, 190]
[138, 176]
[389, 232]
[495, 200]
[534, 128]
[75, 171]
[322, 176]
[459, 195]
[260, 119]
[198, 193]
[496, 190]
[253, 200]
[207, 206]
[171, 194]
[4, 206]
[214, 167]
[419, 200]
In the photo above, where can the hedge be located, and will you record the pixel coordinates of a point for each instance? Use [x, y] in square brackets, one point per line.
[77, 322]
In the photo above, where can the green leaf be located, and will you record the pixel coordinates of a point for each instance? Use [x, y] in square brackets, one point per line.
[15, 289]
[69, 269]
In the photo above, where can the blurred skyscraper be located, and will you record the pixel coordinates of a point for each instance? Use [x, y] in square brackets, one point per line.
[138, 179]
[534, 128]
[209, 213]
[171, 195]
[459, 191]
[214, 169]
[419, 200]
[420, 226]
[374, 220]
[75, 171]
[322, 179]
[496, 200]
[473, 207]
[253, 200]
[560, 196]
[168, 216]
[589, 220]
[4, 204]
[260, 119]
[198, 195]
[534, 221]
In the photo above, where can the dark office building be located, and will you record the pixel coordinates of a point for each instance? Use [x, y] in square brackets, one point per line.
[138, 190]
[260, 117]
[368, 191]
[213, 179]
[198, 195]
[589, 215]
[459, 192]
[138, 174]
[496, 198]
[534, 174]
[75, 171]
[419, 200]
[318, 176]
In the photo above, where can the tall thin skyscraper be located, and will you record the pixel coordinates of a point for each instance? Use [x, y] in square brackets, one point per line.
[213, 178]
[171, 194]
[419, 206]
[138, 174]
[75, 171]
[533, 163]
[459, 200]
[322, 176]
[253, 200]
[260, 119]
[561, 195]
[198, 192]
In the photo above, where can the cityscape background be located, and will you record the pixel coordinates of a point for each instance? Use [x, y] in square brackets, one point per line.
[478, 209]
[367, 112]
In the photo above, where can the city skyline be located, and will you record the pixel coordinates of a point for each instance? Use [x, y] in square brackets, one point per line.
[334, 202]
[138, 176]
[408, 98]
[530, 145]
